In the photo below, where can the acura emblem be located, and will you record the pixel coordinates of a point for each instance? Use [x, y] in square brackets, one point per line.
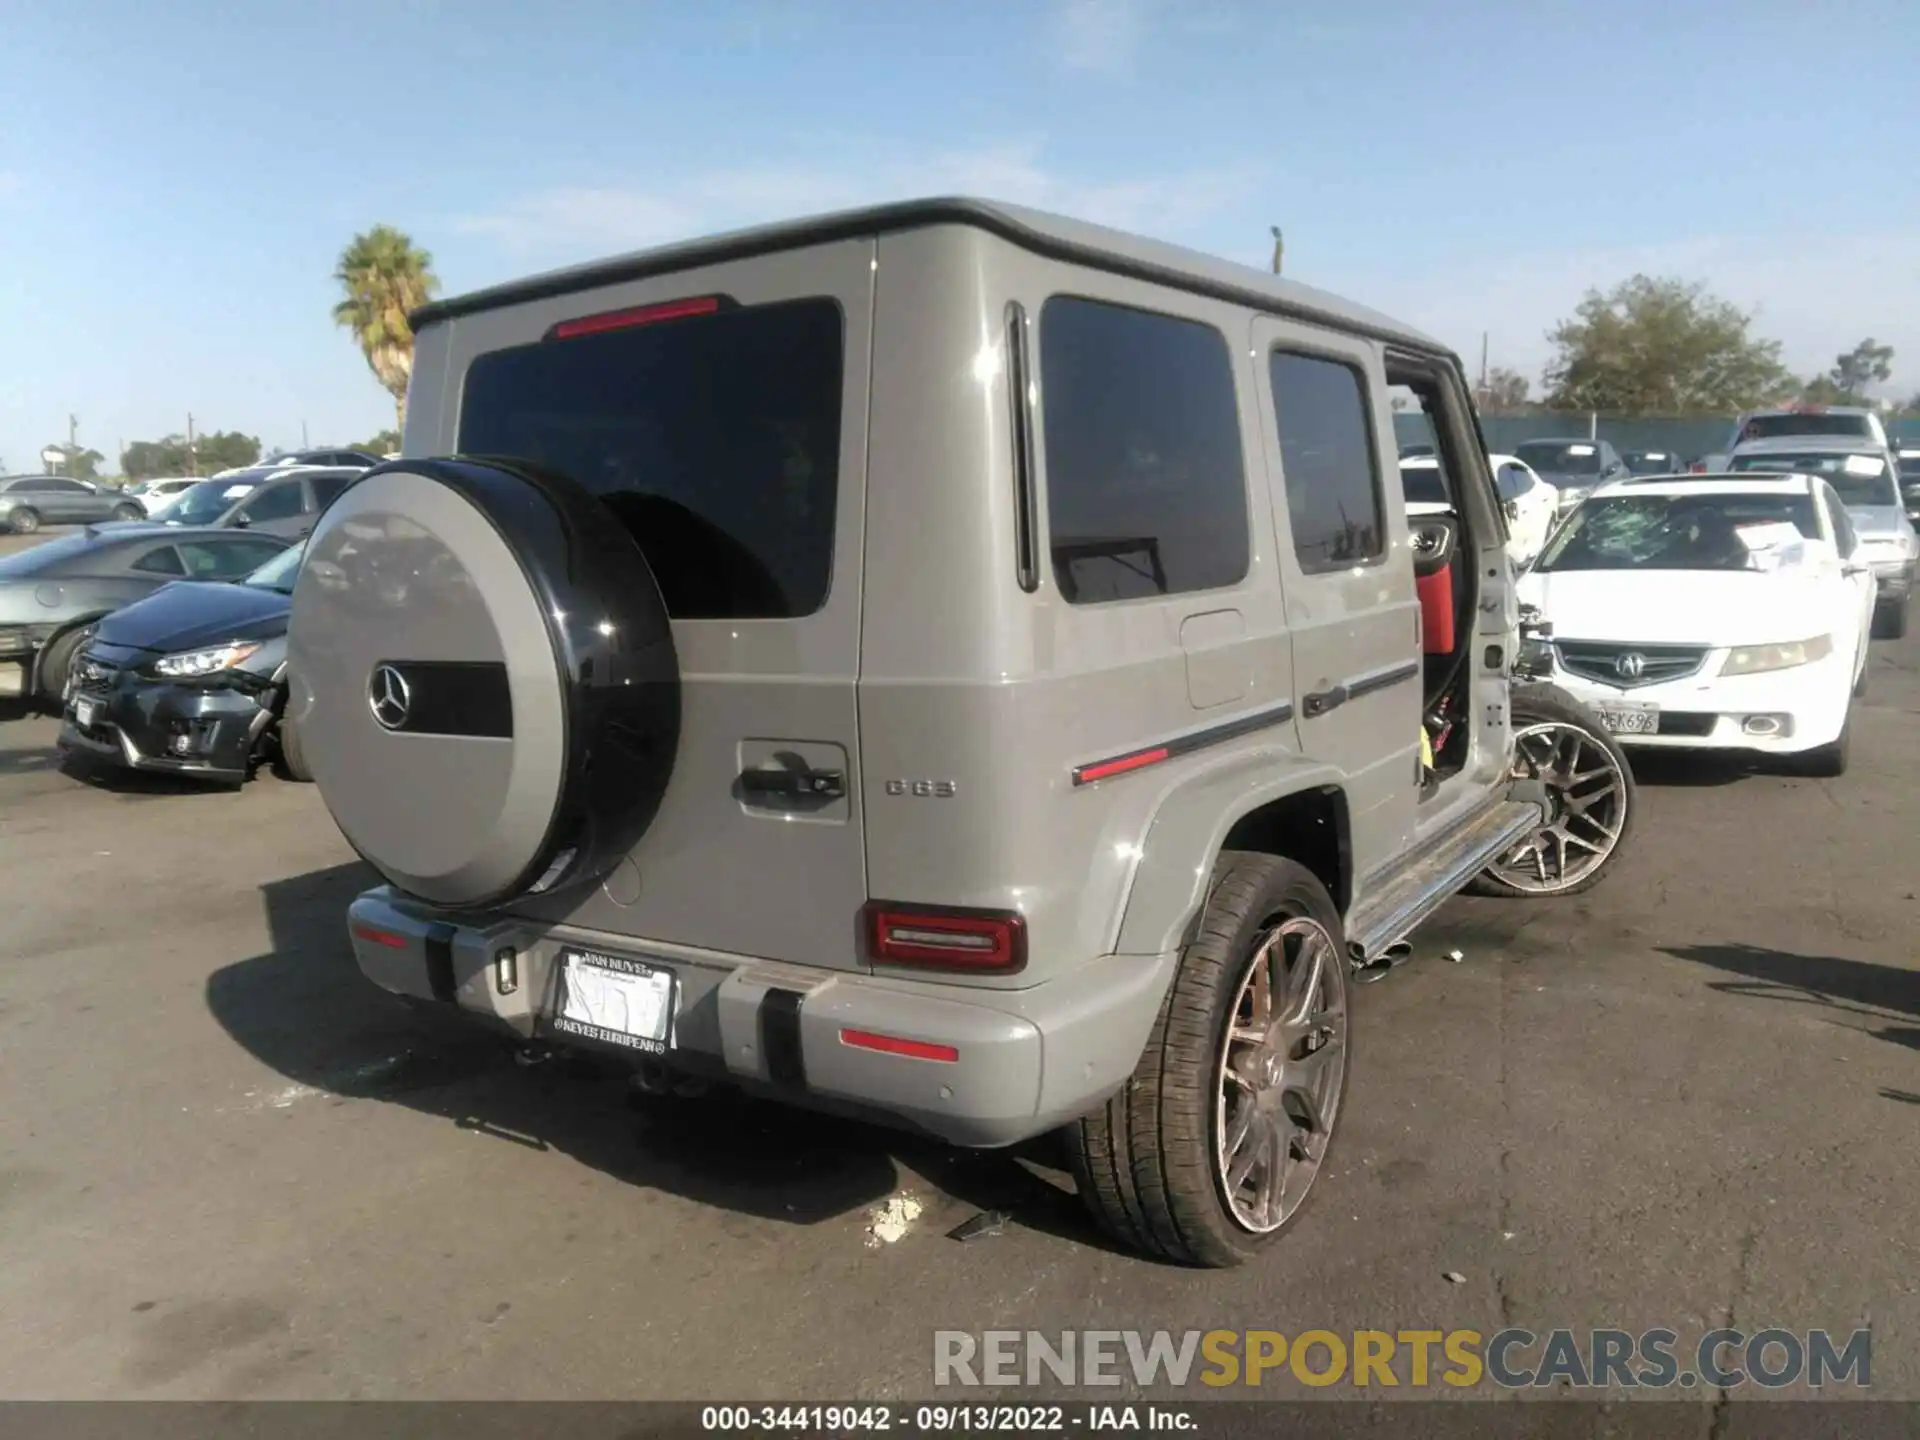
[389, 696]
[1630, 666]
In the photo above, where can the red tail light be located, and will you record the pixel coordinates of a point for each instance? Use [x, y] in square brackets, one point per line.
[895, 1045]
[380, 937]
[638, 315]
[929, 938]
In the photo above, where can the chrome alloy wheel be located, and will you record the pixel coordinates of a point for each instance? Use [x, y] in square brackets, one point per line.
[1281, 1074]
[1588, 794]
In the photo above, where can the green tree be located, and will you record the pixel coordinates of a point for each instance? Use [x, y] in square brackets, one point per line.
[1823, 390]
[225, 450]
[381, 444]
[1662, 347]
[1503, 392]
[1866, 364]
[384, 276]
[81, 464]
[221, 450]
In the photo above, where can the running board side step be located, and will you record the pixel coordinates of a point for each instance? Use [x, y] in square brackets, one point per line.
[1389, 914]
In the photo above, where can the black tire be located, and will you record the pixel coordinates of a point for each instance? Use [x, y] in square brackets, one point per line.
[1533, 705]
[1829, 761]
[129, 512]
[24, 521]
[1145, 1161]
[1890, 620]
[293, 757]
[50, 679]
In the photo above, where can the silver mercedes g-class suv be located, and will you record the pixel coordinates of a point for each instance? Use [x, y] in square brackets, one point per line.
[943, 663]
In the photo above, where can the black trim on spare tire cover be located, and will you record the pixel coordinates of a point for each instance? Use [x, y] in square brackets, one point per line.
[613, 650]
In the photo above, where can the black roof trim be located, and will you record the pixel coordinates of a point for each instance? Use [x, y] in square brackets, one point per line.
[891, 219]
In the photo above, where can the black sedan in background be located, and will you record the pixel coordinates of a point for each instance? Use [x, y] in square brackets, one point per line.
[51, 593]
[191, 681]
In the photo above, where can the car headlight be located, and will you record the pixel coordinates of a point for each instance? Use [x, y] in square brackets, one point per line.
[1754, 659]
[210, 661]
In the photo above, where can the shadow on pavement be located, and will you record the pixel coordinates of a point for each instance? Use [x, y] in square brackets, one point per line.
[1905, 1097]
[118, 780]
[29, 762]
[1853, 987]
[1690, 769]
[306, 1011]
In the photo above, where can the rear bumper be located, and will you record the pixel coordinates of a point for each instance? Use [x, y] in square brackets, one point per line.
[1026, 1060]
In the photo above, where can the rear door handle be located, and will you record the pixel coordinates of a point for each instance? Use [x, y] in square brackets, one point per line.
[1321, 701]
[794, 784]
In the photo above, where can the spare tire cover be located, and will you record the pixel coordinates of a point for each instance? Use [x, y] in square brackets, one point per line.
[483, 673]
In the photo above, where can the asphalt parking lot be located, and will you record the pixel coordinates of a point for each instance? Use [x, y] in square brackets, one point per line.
[230, 1168]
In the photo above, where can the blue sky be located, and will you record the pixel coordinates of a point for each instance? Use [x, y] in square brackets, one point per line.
[177, 180]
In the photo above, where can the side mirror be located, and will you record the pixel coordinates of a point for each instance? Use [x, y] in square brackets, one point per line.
[241, 522]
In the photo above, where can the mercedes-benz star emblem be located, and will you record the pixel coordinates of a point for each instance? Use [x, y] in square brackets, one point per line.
[389, 696]
[1630, 666]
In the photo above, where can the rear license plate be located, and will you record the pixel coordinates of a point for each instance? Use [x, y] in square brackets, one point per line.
[85, 712]
[615, 1000]
[1641, 719]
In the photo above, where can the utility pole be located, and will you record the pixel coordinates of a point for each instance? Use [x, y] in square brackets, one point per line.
[192, 468]
[1279, 247]
[303, 434]
[1483, 362]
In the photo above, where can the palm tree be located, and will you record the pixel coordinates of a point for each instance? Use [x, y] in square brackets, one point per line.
[384, 277]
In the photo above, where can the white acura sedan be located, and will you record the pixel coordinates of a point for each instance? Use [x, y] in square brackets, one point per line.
[1709, 612]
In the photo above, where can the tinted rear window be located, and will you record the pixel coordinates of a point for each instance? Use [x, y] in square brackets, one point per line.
[1423, 485]
[1560, 457]
[715, 438]
[1763, 427]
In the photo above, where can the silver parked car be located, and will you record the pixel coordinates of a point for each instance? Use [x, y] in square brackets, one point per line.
[1867, 477]
[853, 659]
[29, 501]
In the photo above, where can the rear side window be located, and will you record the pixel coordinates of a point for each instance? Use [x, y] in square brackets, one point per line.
[327, 489]
[1146, 483]
[160, 561]
[226, 559]
[1326, 455]
[715, 438]
[277, 502]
